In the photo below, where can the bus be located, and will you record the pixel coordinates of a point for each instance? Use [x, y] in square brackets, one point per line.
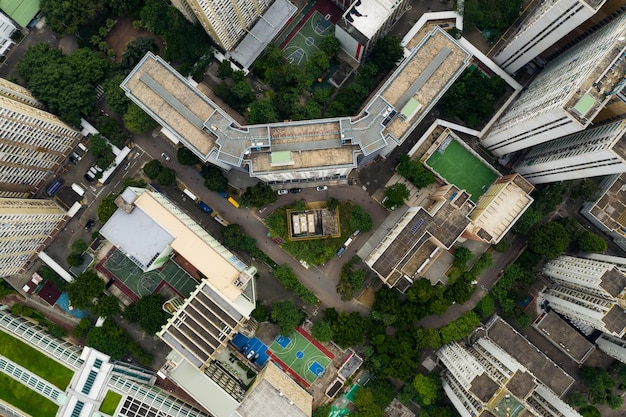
[54, 187]
[190, 194]
[233, 202]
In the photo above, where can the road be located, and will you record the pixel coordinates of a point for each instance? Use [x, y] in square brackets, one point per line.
[321, 280]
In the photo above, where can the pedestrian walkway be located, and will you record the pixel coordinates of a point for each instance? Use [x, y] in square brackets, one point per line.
[32, 381]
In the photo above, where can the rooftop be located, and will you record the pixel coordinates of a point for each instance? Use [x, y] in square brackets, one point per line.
[615, 319]
[610, 209]
[613, 281]
[529, 356]
[566, 338]
[272, 391]
[369, 15]
[484, 387]
[521, 384]
[204, 324]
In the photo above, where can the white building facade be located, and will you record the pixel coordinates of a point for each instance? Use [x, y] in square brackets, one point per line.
[567, 95]
[549, 22]
[593, 152]
[7, 28]
[226, 21]
[33, 142]
[27, 226]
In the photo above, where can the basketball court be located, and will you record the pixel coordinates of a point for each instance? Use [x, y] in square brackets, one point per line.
[299, 355]
[308, 38]
[145, 283]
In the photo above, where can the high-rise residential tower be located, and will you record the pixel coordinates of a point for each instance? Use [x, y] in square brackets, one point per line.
[501, 374]
[567, 95]
[26, 226]
[545, 24]
[226, 21]
[593, 152]
[590, 293]
[33, 142]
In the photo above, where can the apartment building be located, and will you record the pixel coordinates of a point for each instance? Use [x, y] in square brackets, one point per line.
[314, 152]
[594, 152]
[567, 95]
[588, 292]
[612, 346]
[7, 28]
[500, 373]
[27, 227]
[364, 22]
[543, 25]
[226, 21]
[608, 212]
[33, 142]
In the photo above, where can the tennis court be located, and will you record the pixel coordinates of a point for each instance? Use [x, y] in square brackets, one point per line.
[299, 356]
[306, 42]
[145, 283]
[458, 166]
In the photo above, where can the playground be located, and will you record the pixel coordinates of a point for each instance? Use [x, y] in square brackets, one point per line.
[144, 283]
[308, 38]
[460, 167]
[301, 356]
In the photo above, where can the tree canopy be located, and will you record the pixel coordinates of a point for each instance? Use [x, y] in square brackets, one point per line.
[428, 387]
[101, 149]
[64, 17]
[186, 157]
[590, 242]
[360, 220]
[214, 178]
[550, 240]
[106, 306]
[395, 195]
[138, 121]
[82, 291]
[107, 207]
[152, 169]
[286, 315]
[415, 172]
[259, 195]
[148, 312]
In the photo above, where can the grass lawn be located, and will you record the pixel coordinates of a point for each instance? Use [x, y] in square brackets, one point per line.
[110, 402]
[25, 399]
[35, 361]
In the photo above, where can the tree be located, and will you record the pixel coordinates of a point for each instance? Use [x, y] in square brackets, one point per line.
[186, 157]
[366, 405]
[587, 190]
[386, 53]
[526, 221]
[79, 246]
[152, 169]
[75, 259]
[82, 328]
[550, 240]
[486, 306]
[395, 195]
[461, 256]
[262, 111]
[415, 172]
[214, 178]
[322, 331]
[110, 129]
[590, 242]
[349, 329]
[577, 400]
[101, 150]
[330, 46]
[148, 312]
[259, 195]
[107, 207]
[224, 70]
[106, 306]
[89, 66]
[615, 402]
[167, 177]
[360, 220]
[137, 120]
[64, 17]
[82, 291]
[503, 245]
[117, 100]
[286, 315]
[109, 339]
[428, 388]
[136, 49]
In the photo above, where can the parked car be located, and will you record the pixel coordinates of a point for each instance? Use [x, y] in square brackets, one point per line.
[90, 177]
[89, 223]
[73, 160]
[282, 192]
[322, 187]
[295, 190]
[165, 156]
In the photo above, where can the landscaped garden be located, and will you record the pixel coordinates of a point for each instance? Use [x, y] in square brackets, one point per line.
[30, 358]
[25, 399]
[110, 402]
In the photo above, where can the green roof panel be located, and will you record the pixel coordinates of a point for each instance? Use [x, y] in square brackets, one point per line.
[22, 11]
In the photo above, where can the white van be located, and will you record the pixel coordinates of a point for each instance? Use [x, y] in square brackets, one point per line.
[78, 189]
[83, 147]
